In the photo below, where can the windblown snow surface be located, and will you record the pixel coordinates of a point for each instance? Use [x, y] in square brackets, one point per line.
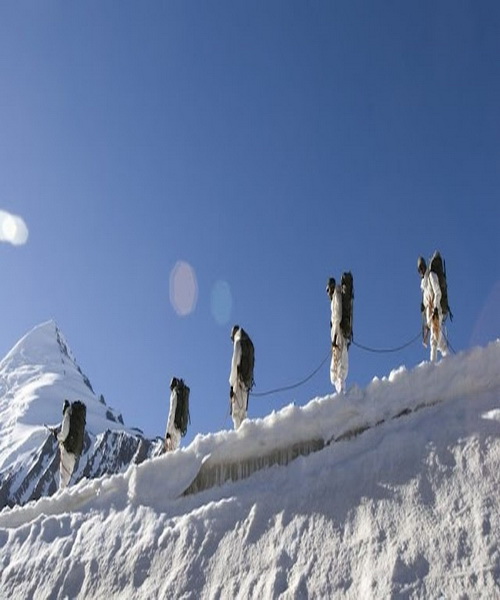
[398, 497]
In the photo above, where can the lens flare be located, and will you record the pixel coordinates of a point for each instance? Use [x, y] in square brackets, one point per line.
[183, 288]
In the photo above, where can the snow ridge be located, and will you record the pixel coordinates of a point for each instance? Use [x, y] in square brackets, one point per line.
[345, 416]
[408, 509]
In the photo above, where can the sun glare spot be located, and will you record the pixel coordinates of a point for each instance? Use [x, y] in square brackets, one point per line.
[12, 229]
[183, 288]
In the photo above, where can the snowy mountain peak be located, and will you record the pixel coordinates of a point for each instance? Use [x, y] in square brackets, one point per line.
[40, 352]
[36, 376]
[42, 345]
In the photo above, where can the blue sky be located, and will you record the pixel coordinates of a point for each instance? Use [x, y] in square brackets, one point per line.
[266, 145]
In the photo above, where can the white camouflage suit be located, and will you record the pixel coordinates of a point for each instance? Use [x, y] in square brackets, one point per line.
[431, 298]
[239, 391]
[339, 365]
[68, 459]
[174, 441]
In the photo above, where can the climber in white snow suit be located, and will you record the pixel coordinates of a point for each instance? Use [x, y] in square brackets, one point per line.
[431, 309]
[68, 459]
[239, 391]
[172, 433]
[339, 365]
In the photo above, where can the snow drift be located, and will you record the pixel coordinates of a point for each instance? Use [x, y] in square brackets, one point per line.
[397, 497]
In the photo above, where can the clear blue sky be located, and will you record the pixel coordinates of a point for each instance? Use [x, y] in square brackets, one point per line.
[268, 145]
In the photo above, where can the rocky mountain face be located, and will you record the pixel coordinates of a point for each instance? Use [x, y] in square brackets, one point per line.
[36, 376]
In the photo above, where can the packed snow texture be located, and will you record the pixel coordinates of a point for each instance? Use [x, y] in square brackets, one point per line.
[397, 497]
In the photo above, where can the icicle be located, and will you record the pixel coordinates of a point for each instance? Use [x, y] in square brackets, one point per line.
[212, 474]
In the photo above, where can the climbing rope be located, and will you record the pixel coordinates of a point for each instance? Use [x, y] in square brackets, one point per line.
[295, 385]
[444, 334]
[387, 350]
[361, 346]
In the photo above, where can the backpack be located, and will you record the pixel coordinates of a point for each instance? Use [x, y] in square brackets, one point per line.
[437, 265]
[347, 288]
[247, 362]
[182, 418]
[74, 442]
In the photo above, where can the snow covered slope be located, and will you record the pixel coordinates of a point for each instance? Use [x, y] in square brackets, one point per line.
[398, 498]
[35, 378]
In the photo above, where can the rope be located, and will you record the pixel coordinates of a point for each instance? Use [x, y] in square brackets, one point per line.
[444, 334]
[367, 348]
[295, 385]
[386, 350]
